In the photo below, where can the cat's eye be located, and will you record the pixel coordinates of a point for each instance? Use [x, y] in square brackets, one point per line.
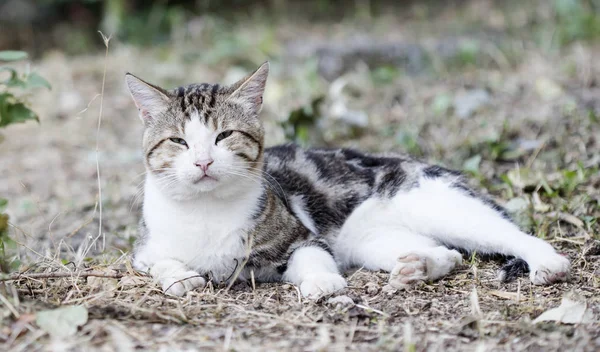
[179, 141]
[223, 135]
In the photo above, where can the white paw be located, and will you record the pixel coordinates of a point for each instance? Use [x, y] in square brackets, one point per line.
[553, 268]
[179, 284]
[320, 284]
[410, 269]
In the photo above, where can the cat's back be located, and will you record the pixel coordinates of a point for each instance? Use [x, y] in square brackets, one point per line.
[342, 166]
[330, 183]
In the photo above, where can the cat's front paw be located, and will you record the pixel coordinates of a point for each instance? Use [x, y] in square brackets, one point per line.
[321, 284]
[552, 269]
[179, 284]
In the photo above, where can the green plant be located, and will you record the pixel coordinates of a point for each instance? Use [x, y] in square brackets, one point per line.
[14, 87]
[299, 123]
[7, 262]
[13, 106]
[576, 20]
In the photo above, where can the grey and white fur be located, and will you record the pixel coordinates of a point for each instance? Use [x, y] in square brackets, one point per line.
[218, 205]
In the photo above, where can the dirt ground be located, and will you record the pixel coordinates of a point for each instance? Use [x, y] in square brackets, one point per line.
[513, 109]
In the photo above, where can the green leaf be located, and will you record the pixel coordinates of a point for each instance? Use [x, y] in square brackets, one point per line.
[3, 228]
[12, 55]
[471, 165]
[12, 71]
[15, 113]
[13, 80]
[441, 104]
[593, 117]
[3, 204]
[9, 243]
[34, 81]
[15, 264]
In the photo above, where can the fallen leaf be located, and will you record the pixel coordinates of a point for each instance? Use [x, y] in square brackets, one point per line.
[62, 322]
[570, 311]
[102, 283]
[506, 295]
[539, 205]
[571, 219]
[524, 178]
[130, 281]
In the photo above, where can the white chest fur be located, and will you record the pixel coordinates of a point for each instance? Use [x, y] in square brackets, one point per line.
[206, 233]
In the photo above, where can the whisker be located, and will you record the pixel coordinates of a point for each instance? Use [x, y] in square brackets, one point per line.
[260, 175]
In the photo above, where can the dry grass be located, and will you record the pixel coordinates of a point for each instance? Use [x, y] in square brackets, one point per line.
[49, 175]
[132, 311]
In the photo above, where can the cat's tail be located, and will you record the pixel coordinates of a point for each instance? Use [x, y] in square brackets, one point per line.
[512, 269]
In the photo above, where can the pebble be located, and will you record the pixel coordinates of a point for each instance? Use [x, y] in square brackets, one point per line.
[341, 300]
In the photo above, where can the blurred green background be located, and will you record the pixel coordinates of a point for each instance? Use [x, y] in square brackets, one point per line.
[70, 25]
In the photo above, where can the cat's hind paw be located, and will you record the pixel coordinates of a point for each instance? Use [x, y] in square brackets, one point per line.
[321, 284]
[552, 269]
[409, 270]
[179, 284]
[423, 265]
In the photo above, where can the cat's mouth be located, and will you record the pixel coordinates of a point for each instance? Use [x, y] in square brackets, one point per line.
[203, 178]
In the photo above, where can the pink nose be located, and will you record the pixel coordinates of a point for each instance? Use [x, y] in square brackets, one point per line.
[204, 164]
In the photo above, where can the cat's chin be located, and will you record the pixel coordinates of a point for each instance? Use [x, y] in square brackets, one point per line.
[205, 184]
[192, 191]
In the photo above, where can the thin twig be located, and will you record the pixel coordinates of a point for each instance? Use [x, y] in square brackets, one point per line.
[373, 310]
[58, 275]
[9, 306]
[106, 41]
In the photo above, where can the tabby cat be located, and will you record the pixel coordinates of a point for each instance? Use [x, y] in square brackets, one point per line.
[220, 206]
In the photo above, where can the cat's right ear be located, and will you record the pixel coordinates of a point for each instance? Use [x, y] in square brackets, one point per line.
[151, 101]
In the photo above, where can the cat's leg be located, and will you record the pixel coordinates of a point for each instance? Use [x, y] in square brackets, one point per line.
[448, 213]
[313, 269]
[410, 258]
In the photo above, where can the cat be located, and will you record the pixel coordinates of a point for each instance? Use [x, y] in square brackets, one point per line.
[220, 206]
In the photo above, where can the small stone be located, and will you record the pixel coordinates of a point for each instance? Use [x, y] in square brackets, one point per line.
[372, 288]
[341, 300]
[389, 289]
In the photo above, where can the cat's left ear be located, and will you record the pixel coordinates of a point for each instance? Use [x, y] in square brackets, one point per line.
[249, 90]
[151, 101]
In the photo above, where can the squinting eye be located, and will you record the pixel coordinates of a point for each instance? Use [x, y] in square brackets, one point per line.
[223, 135]
[179, 141]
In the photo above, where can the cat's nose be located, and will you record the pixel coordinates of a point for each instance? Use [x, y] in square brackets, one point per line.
[204, 164]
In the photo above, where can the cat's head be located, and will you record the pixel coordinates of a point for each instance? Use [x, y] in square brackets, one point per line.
[202, 138]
